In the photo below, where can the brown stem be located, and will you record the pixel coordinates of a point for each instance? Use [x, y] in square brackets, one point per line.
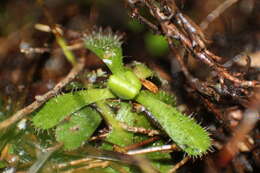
[228, 152]
[179, 164]
[216, 13]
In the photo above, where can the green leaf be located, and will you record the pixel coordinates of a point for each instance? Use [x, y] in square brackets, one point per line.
[117, 135]
[3, 164]
[107, 46]
[79, 128]
[187, 134]
[164, 97]
[56, 109]
[125, 114]
[160, 161]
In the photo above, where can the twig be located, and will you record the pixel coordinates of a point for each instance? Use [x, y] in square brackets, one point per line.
[141, 130]
[94, 164]
[58, 34]
[216, 13]
[46, 28]
[43, 98]
[142, 163]
[153, 149]
[99, 137]
[40, 50]
[142, 143]
[101, 164]
[43, 158]
[227, 153]
[30, 50]
[74, 163]
[179, 164]
[135, 14]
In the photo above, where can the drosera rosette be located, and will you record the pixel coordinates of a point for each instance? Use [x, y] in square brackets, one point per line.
[124, 83]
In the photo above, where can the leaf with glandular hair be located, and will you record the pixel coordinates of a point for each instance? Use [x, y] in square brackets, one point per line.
[164, 97]
[79, 128]
[184, 131]
[107, 46]
[56, 109]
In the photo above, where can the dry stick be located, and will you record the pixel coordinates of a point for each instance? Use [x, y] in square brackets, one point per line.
[41, 50]
[194, 82]
[47, 28]
[98, 137]
[135, 14]
[179, 164]
[142, 143]
[39, 100]
[203, 55]
[153, 149]
[74, 163]
[142, 163]
[228, 152]
[31, 50]
[216, 13]
[149, 132]
[43, 157]
[96, 164]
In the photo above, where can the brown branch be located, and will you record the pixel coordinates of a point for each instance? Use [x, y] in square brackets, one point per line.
[135, 14]
[141, 130]
[162, 148]
[142, 143]
[178, 26]
[91, 165]
[43, 157]
[179, 164]
[41, 50]
[216, 13]
[40, 100]
[231, 148]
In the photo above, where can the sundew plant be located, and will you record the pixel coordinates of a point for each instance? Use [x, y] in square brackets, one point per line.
[76, 115]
